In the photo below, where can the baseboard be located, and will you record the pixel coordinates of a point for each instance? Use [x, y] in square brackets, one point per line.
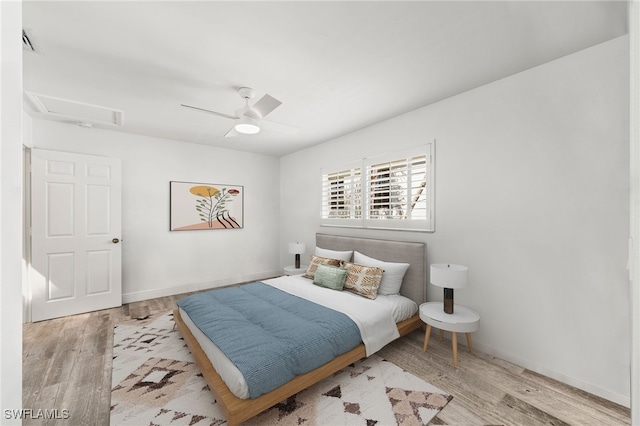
[187, 288]
[571, 381]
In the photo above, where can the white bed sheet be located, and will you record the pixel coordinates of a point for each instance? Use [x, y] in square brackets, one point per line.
[377, 326]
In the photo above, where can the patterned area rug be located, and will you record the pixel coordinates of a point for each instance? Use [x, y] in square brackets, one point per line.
[156, 382]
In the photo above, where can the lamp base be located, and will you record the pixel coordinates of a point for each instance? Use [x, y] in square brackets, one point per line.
[448, 300]
[297, 261]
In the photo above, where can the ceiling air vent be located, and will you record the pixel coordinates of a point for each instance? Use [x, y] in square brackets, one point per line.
[29, 42]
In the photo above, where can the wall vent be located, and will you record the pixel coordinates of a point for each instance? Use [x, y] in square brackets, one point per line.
[29, 42]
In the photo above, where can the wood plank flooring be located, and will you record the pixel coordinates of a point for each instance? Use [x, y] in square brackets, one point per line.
[67, 366]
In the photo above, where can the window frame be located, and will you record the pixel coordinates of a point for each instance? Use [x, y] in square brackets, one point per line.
[364, 196]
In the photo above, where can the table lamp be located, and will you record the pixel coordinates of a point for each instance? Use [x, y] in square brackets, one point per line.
[297, 249]
[449, 276]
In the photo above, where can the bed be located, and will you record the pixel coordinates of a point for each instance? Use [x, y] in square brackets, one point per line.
[239, 409]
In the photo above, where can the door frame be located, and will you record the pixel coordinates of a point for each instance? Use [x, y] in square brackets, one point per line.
[634, 206]
[26, 238]
[28, 269]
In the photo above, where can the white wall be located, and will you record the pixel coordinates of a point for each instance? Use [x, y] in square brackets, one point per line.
[11, 211]
[155, 261]
[532, 182]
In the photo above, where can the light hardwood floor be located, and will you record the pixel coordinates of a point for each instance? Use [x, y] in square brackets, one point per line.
[67, 366]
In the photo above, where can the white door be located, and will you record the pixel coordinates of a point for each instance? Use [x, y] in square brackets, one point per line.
[75, 234]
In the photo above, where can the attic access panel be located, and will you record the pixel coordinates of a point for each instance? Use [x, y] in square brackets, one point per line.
[66, 109]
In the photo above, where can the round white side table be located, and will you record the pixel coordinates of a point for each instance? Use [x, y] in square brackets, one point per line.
[462, 320]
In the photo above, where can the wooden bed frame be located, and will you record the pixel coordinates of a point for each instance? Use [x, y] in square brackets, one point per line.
[238, 410]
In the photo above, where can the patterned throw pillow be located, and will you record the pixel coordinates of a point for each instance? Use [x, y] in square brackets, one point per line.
[362, 280]
[317, 260]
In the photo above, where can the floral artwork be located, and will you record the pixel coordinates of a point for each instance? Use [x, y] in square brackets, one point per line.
[205, 206]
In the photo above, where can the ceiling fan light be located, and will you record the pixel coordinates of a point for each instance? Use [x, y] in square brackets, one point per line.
[247, 129]
[247, 126]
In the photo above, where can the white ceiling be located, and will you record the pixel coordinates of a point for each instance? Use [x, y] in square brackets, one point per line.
[336, 66]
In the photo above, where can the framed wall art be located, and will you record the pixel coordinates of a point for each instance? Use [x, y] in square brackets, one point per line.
[205, 206]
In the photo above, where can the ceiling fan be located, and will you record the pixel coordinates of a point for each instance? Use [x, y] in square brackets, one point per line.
[249, 119]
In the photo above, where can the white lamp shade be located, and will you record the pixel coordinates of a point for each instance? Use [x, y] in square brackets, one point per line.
[448, 275]
[296, 248]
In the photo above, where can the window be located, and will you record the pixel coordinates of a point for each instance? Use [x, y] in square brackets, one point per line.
[342, 194]
[393, 191]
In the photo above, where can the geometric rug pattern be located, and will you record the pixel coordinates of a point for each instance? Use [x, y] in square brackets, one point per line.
[156, 382]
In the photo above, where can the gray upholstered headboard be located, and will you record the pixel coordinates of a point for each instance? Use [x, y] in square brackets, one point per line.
[414, 283]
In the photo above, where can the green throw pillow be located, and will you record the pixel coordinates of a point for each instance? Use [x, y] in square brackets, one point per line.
[330, 277]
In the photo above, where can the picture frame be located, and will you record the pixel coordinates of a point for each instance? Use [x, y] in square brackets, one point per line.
[205, 206]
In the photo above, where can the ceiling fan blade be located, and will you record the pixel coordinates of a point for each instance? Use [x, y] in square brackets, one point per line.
[231, 133]
[279, 127]
[219, 114]
[264, 106]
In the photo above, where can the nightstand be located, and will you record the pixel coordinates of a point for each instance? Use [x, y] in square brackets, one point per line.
[291, 270]
[462, 320]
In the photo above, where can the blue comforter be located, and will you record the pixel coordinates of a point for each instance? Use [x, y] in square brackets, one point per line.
[270, 335]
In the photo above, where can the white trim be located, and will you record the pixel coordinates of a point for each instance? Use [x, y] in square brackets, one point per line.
[634, 207]
[26, 235]
[572, 381]
[191, 287]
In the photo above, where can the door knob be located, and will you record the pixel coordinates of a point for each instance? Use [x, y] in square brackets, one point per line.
[115, 241]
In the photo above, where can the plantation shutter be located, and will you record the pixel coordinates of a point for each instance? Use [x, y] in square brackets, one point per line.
[342, 195]
[391, 191]
[399, 190]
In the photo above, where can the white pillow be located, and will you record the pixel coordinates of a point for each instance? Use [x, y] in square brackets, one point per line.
[392, 275]
[333, 254]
